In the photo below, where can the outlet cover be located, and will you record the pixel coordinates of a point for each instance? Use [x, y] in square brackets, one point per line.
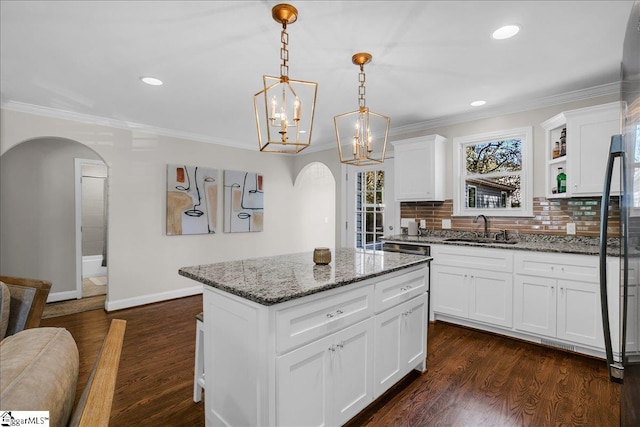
[571, 228]
[423, 223]
[446, 224]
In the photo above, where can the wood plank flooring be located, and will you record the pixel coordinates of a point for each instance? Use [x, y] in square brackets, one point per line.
[473, 378]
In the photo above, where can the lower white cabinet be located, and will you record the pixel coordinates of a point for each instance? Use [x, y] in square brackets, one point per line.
[401, 342]
[541, 297]
[483, 295]
[314, 361]
[326, 382]
[546, 302]
[563, 309]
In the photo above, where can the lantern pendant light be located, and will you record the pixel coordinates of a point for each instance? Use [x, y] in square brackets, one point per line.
[362, 134]
[285, 107]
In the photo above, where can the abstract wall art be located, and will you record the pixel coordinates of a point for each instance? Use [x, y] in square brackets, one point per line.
[192, 200]
[243, 202]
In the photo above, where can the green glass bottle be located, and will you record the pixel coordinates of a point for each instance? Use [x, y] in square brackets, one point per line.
[562, 181]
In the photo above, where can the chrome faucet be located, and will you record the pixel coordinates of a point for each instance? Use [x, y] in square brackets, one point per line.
[486, 231]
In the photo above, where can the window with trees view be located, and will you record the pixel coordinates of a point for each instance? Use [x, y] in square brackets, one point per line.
[494, 173]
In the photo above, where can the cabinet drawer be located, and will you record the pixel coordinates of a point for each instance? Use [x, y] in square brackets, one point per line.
[473, 258]
[396, 290]
[309, 321]
[560, 266]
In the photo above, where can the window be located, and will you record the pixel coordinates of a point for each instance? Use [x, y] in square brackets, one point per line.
[369, 209]
[495, 173]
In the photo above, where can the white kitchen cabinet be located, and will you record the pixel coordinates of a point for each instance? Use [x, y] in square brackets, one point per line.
[473, 283]
[400, 342]
[419, 168]
[588, 134]
[558, 295]
[309, 361]
[333, 373]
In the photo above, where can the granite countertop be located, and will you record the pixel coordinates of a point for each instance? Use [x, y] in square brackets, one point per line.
[276, 279]
[525, 242]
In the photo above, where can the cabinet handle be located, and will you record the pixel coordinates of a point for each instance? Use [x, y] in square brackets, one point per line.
[329, 315]
[339, 312]
[562, 269]
[332, 348]
[340, 345]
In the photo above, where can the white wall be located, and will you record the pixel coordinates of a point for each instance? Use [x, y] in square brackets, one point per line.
[143, 260]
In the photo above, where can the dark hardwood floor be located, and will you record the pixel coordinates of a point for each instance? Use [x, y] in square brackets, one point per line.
[473, 378]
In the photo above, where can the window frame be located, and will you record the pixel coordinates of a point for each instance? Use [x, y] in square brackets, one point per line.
[526, 174]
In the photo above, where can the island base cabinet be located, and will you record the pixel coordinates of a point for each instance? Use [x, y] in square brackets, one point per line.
[400, 335]
[326, 382]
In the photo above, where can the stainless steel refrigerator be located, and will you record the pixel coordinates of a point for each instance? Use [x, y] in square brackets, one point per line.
[621, 303]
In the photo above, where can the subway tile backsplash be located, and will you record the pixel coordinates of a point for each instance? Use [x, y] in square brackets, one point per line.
[550, 217]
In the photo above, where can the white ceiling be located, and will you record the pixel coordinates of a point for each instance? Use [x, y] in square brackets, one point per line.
[430, 58]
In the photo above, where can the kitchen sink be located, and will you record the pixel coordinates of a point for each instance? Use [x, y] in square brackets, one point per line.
[480, 240]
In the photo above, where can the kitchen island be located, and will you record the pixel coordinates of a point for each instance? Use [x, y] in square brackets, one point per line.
[288, 342]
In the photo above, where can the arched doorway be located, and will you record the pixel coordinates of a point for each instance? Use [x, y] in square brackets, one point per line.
[38, 217]
[315, 189]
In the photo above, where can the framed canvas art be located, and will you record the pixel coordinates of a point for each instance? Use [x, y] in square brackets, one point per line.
[192, 200]
[243, 202]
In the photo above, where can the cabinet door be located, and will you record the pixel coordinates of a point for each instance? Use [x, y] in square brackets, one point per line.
[351, 365]
[534, 303]
[491, 298]
[579, 313]
[589, 133]
[450, 290]
[419, 168]
[387, 365]
[414, 334]
[302, 383]
[400, 342]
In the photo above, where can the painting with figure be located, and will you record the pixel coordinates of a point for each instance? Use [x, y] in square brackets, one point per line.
[243, 202]
[192, 200]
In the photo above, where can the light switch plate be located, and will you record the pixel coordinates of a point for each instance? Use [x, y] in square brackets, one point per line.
[571, 228]
[446, 224]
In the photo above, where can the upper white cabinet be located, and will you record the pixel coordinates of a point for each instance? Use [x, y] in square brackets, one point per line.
[587, 133]
[420, 168]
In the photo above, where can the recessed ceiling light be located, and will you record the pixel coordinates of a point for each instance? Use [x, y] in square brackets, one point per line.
[151, 81]
[478, 103]
[505, 32]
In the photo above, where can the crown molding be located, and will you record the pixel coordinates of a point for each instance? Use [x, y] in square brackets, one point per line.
[22, 107]
[510, 108]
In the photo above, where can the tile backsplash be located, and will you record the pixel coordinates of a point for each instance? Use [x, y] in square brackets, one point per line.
[550, 217]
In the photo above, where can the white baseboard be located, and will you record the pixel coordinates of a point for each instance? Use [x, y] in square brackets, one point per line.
[148, 299]
[92, 266]
[62, 296]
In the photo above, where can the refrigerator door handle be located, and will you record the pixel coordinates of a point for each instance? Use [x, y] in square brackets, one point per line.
[616, 149]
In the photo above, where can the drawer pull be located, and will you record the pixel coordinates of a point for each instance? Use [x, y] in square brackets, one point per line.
[340, 345]
[339, 312]
[329, 315]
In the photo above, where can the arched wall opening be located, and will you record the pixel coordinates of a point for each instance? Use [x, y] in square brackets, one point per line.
[314, 193]
[38, 212]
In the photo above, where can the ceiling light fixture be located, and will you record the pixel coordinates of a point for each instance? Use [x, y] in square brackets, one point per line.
[285, 107]
[152, 81]
[478, 103]
[362, 134]
[505, 32]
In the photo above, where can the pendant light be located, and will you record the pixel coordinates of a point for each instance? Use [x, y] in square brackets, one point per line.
[362, 134]
[285, 107]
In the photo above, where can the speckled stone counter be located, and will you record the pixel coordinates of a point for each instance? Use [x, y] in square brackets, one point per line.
[272, 280]
[525, 242]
